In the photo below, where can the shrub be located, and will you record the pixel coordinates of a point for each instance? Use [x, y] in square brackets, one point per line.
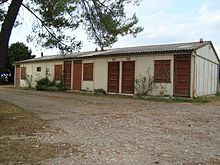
[45, 84]
[60, 85]
[100, 91]
[42, 84]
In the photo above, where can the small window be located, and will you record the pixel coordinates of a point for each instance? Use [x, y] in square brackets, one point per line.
[23, 72]
[57, 72]
[38, 69]
[88, 71]
[162, 71]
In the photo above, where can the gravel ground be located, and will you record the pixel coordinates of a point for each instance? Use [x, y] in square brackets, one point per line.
[112, 130]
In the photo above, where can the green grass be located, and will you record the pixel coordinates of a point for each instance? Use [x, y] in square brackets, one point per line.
[195, 100]
[164, 99]
[199, 100]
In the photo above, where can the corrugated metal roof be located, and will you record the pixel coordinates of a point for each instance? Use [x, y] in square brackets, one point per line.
[179, 47]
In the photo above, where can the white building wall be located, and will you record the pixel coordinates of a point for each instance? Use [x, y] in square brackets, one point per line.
[100, 74]
[144, 65]
[32, 75]
[29, 77]
[206, 71]
[206, 77]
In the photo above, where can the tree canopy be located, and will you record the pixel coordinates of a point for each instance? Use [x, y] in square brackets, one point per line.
[17, 51]
[103, 20]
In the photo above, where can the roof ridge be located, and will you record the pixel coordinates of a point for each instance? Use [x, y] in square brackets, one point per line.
[167, 44]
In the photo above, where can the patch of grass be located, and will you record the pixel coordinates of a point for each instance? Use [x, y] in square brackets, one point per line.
[15, 121]
[168, 99]
[18, 140]
[190, 100]
[27, 88]
[30, 151]
[200, 100]
[218, 94]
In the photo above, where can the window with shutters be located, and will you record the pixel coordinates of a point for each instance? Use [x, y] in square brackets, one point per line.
[57, 72]
[23, 73]
[162, 71]
[88, 71]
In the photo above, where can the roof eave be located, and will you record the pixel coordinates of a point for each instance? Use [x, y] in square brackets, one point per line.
[103, 55]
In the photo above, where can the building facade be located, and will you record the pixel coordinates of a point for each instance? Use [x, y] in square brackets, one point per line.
[183, 70]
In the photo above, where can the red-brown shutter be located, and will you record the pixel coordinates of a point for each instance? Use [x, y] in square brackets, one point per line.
[162, 71]
[23, 72]
[88, 71]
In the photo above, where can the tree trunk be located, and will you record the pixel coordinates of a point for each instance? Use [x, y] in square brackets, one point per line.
[6, 29]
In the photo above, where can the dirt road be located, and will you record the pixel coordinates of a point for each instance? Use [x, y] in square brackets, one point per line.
[108, 130]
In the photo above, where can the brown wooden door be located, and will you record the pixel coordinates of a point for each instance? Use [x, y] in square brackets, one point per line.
[17, 76]
[113, 77]
[67, 73]
[57, 72]
[182, 67]
[77, 75]
[128, 69]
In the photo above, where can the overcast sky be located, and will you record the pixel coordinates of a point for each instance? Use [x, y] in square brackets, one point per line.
[164, 21]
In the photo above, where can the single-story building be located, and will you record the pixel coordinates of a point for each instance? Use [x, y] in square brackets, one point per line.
[182, 69]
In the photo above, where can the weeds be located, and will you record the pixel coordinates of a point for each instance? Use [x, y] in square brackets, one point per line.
[144, 85]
